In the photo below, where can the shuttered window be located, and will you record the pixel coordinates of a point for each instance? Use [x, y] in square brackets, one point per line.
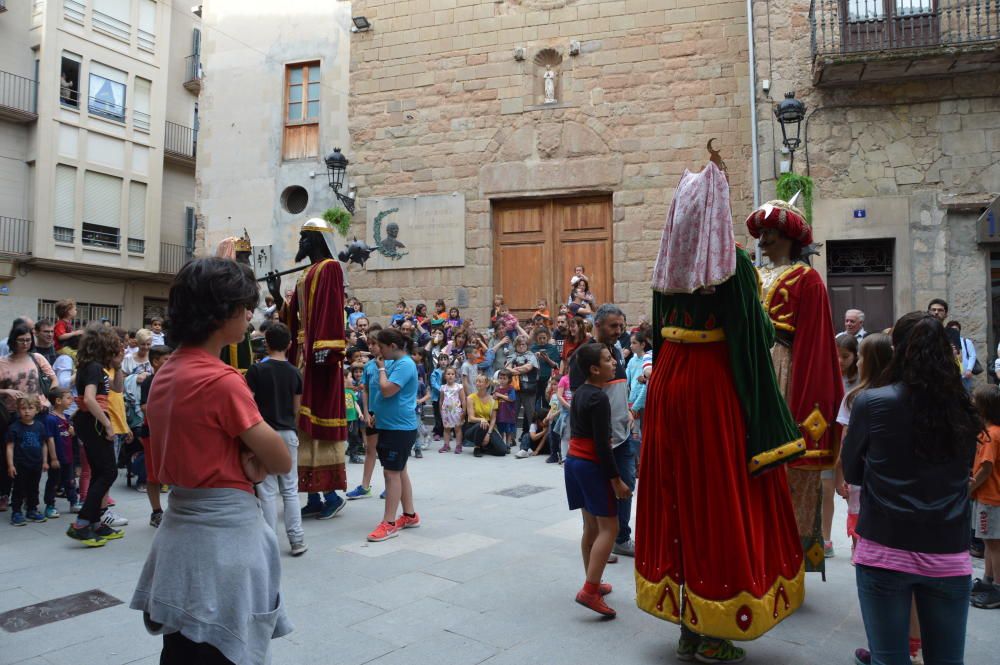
[136, 217]
[102, 199]
[140, 111]
[65, 206]
[147, 25]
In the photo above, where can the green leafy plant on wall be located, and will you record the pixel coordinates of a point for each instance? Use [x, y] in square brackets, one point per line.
[339, 219]
[791, 183]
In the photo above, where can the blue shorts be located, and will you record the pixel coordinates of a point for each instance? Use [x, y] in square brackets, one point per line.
[587, 488]
[506, 428]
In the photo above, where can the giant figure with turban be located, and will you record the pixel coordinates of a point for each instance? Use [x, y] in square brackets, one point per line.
[805, 360]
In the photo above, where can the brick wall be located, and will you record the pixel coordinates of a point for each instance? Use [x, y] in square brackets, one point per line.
[438, 101]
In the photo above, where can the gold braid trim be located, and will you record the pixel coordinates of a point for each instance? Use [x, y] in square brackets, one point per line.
[685, 336]
[329, 344]
[789, 451]
[742, 617]
[324, 422]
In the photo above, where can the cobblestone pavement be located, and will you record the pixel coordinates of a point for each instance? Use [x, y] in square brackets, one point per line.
[488, 578]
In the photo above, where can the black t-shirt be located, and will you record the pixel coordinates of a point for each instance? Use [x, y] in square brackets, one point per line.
[275, 383]
[47, 353]
[91, 374]
[590, 418]
[143, 398]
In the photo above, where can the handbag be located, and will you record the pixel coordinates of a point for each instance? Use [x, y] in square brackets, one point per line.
[977, 367]
[44, 382]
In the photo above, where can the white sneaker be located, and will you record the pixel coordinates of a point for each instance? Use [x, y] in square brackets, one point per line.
[113, 519]
[299, 548]
[521, 454]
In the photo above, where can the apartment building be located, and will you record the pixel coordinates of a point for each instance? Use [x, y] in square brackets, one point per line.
[98, 144]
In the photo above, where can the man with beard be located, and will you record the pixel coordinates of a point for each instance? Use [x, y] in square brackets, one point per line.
[315, 317]
[559, 333]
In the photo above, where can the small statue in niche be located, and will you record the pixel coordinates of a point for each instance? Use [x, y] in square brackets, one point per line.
[550, 85]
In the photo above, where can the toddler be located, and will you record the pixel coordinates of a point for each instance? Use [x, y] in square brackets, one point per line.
[29, 450]
[437, 380]
[452, 410]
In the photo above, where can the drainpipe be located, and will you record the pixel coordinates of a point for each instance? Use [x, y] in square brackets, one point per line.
[754, 154]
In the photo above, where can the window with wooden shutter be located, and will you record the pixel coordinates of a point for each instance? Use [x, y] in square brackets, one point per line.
[65, 204]
[102, 210]
[137, 217]
[302, 105]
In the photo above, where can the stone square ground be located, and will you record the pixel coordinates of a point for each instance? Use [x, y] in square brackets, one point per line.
[488, 578]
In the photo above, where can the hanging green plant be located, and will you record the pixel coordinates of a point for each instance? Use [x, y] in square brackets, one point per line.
[791, 183]
[339, 219]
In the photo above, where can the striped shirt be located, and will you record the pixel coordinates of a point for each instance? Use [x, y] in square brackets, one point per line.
[869, 553]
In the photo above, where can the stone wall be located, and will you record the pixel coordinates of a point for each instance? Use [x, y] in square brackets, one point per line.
[440, 104]
[926, 139]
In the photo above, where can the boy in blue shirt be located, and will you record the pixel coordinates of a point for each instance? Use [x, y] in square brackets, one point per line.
[29, 448]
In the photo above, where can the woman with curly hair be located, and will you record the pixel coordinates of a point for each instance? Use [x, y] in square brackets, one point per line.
[211, 581]
[910, 446]
[100, 351]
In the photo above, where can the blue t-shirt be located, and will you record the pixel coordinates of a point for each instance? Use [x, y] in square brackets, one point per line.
[28, 441]
[58, 429]
[399, 411]
[369, 378]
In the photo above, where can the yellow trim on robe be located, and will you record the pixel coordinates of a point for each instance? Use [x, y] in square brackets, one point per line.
[329, 344]
[324, 422]
[685, 336]
[723, 618]
[774, 290]
[782, 453]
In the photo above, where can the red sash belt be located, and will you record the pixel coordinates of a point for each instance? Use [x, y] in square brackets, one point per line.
[102, 401]
[583, 449]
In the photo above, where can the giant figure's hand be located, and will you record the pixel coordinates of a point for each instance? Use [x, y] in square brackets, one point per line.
[274, 288]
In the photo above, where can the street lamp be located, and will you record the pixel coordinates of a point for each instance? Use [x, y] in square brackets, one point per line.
[790, 112]
[336, 168]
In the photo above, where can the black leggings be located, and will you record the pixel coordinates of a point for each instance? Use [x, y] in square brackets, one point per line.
[103, 465]
[179, 650]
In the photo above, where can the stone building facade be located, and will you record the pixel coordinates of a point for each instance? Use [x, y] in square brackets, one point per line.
[902, 139]
[274, 104]
[448, 97]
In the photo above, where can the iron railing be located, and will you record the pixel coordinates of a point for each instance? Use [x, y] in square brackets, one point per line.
[95, 235]
[63, 234]
[857, 26]
[106, 109]
[192, 67]
[173, 257]
[69, 97]
[136, 245]
[18, 93]
[15, 236]
[180, 140]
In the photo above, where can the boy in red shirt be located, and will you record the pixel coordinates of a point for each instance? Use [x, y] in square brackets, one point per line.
[984, 487]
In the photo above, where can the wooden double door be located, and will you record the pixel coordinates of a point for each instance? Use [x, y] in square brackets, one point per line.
[538, 242]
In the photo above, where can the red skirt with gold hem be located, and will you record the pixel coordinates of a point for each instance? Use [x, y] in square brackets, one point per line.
[715, 548]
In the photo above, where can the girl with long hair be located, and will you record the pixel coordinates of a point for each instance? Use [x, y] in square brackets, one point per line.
[910, 446]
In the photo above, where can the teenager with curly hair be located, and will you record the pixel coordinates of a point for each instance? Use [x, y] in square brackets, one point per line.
[211, 581]
[100, 351]
[910, 446]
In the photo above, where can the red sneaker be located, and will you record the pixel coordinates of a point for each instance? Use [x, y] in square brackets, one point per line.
[605, 588]
[595, 602]
[404, 522]
[384, 531]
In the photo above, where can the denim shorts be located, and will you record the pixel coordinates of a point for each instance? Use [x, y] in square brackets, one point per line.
[506, 428]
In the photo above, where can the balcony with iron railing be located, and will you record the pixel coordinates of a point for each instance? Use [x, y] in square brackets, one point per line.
[863, 41]
[15, 236]
[192, 73]
[173, 257]
[18, 98]
[180, 143]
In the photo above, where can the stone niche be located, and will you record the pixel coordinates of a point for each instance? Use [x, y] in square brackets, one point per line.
[416, 231]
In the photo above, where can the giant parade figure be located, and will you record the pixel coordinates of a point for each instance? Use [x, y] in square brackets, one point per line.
[315, 316]
[805, 360]
[716, 547]
[239, 249]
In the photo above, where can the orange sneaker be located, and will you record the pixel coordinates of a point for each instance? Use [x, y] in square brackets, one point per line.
[405, 522]
[605, 588]
[595, 602]
[384, 531]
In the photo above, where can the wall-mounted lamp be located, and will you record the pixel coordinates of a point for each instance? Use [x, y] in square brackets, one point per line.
[361, 24]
